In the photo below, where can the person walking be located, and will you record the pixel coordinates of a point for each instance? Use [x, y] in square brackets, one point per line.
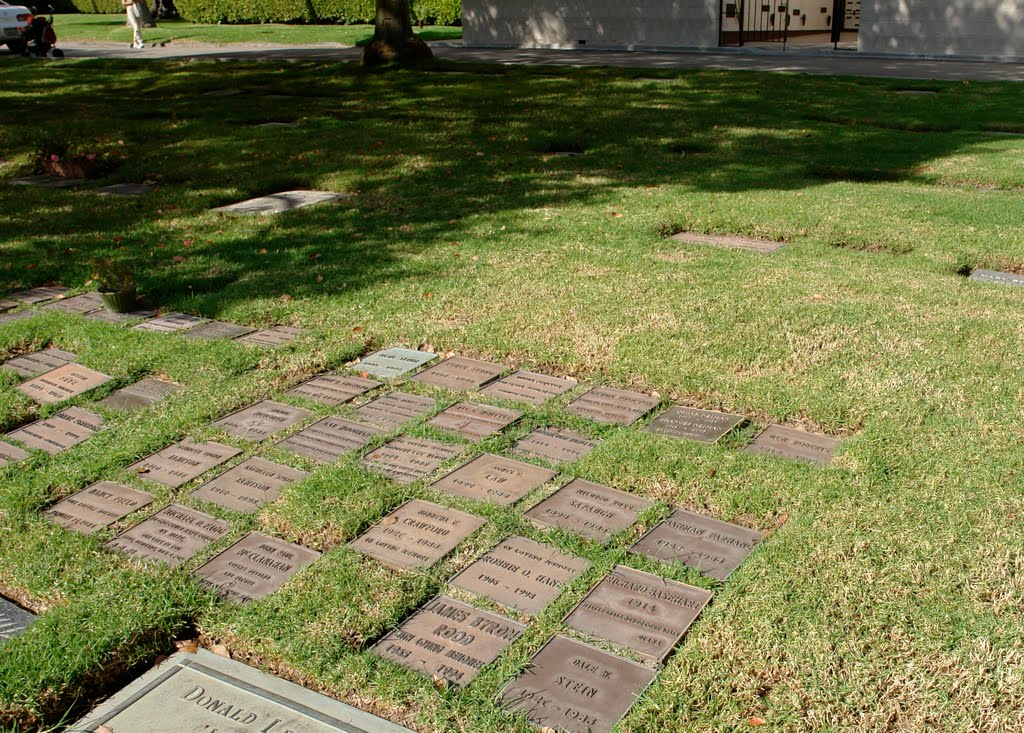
[134, 20]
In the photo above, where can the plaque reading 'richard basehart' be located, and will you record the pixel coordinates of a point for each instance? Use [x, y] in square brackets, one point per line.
[712, 546]
[417, 534]
[255, 566]
[593, 510]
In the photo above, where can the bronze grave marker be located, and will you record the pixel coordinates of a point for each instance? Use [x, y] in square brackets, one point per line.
[172, 535]
[255, 566]
[79, 304]
[141, 394]
[61, 431]
[712, 546]
[214, 330]
[524, 386]
[612, 406]
[261, 420]
[182, 462]
[705, 426]
[97, 506]
[555, 445]
[417, 534]
[39, 362]
[460, 373]
[395, 409]
[393, 362]
[329, 439]
[170, 323]
[34, 296]
[592, 510]
[494, 478]
[474, 421]
[62, 383]
[11, 453]
[249, 485]
[273, 336]
[105, 316]
[778, 440]
[333, 389]
[408, 459]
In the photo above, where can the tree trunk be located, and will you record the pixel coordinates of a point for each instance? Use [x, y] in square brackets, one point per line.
[393, 39]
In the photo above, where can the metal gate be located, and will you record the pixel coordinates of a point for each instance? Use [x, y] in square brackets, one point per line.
[776, 21]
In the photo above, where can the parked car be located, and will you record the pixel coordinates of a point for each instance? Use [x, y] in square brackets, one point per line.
[14, 21]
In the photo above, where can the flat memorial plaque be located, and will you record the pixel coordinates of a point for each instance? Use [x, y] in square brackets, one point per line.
[13, 619]
[182, 462]
[97, 506]
[11, 454]
[592, 510]
[62, 383]
[1000, 278]
[172, 535]
[261, 420]
[494, 478]
[35, 296]
[123, 189]
[449, 639]
[712, 546]
[278, 203]
[333, 389]
[141, 394]
[6, 304]
[522, 574]
[460, 373]
[395, 409]
[15, 317]
[60, 431]
[639, 611]
[474, 421]
[205, 692]
[329, 439]
[555, 445]
[84, 303]
[393, 362]
[255, 566]
[571, 686]
[170, 323]
[44, 181]
[778, 440]
[417, 534]
[523, 386]
[408, 459]
[612, 406]
[216, 330]
[39, 362]
[106, 316]
[730, 241]
[249, 485]
[274, 336]
[705, 426]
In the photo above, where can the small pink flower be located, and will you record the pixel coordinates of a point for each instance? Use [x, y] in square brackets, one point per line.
[91, 156]
[54, 157]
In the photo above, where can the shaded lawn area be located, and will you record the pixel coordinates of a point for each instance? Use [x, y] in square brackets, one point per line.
[888, 595]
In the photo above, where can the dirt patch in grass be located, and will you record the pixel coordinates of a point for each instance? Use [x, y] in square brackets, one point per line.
[869, 245]
[855, 174]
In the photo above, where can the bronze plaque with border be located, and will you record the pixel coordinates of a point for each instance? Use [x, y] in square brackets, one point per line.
[11, 453]
[393, 362]
[141, 394]
[170, 323]
[705, 426]
[77, 304]
[274, 336]
[555, 445]
[172, 535]
[494, 478]
[783, 442]
[39, 362]
[712, 546]
[417, 534]
[612, 406]
[181, 462]
[333, 389]
[327, 440]
[40, 294]
[215, 330]
[249, 485]
[592, 510]
[460, 373]
[62, 383]
[262, 420]
[473, 421]
[395, 409]
[531, 387]
[408, 459]
[97, 506]
[255, 566]
[61, 431]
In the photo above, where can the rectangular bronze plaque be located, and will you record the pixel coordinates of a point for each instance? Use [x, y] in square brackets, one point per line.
[394, 362]
[141, 394]
[329, 439]
[592, 510]
[249, 485]
[523, 386]
[262, 420]
[712, 546]
[172, 535]
[39, 295]
[460, 373]
[417, 534]
[449, 639]
[48, 181]
[11, 453]
[214, 330]
[574, 687]
[395, 409]
[778, 440]
[408, 459]
[255, 566]
[613, 406]
[639, 611]
[61, 431]
[555, 445]
[104, 316]
[705, 426]
[182, 462]
[278, 203]
[6, 304]
[39, 362]
[1000, 278]
[80, 304]
[170, 323]
[123, 189]
[274, 336]
[333, 389]
[13, 619]
[474, 421]
[522, 574]
[97, 506]
[62, 383]
[494, 478]
[15, 317]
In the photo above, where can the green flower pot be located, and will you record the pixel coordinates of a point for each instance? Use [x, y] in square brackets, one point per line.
[119, 302]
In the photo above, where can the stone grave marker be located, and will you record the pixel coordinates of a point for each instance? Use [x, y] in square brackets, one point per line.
[124, 189]
[705, 426]
[97, 506]
[333, 389]
[249, 485]
[215, 330]
[730, 241]
[712, 546]
[78, 304]
[460, 373]
[62, 383]
[170, 323]
[261, 420]
[255, 566]
[204, 692]
[13, 619]
[494, 478]
[105, 316]
[395, 409]
[228, 92]
[15, 317]
[6, 304]
[39, 362]
[278, 124]
[1000, 278]
[141, 394]
[182, 462]
[555, 445]
[34, 296]
[639, 611]
[274, 336]
[278, 203]
[417, 534]
[522, 574]
[592, 510]
[523, 386]
[44, 181]
[778, 440]
[474, 421]
[393, 362]
[574, 687]
[408, 459]
[612, 406]
[11, 454]
[60, 431]
[449, 639]
[172, 535]
[329, 439]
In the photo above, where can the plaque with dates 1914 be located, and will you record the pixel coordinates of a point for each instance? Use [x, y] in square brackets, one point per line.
[555, 445]
[459, 372]
[11, 453]
[494, 478]
[449, 640]
[395, 409]
[778, 440]
[274, 336]
[172, 535]
[39, 362]
[62, 383]
[705, 426]
[333, 389]
[574, 687]
[214, 330]
[97, 506]
[712, 546]
[612, 406]
[473, 421]
[531, 387]
[393, 362]
[141, 394]
[255, 566]
[170, 323]
[261, 420]
[592, 510]
[249, 485]
[327, 440]
[182, 462]
[61, 431]
[408, 459]
[13, 620]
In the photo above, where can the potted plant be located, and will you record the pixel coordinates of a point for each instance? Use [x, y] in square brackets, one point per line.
[116, 281]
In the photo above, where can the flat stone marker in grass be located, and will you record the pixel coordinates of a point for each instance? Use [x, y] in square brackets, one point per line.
[408, 459]
[142, 394]
[494, 478]
[62, 383]
[104, 316]
[574, 687]
[555, 445]
[123, 189]
[327, 440]
[395, 409]
[612, 406]
[172, 535]
[593, 510]
[205, 692]
[778, 440]
[522, 574]
[449, 639]
[278, 124]
[181, 462]
[39, 362]
[639, 611]
[333, 389]
[43, 181]
[170, 323]
[1000, 278]
[13, 619]
[77, 304]
[6, 304]
[255, 566]
[215, 330]
[262, 420]
[531, 387]
[416, 535]
[15, 317]
[712, 546]
[249, 485]
[97, 506]
[278, 203]
[460, 373]
[60, 431]
[11, 454]
[474, 421]
[274, 336]
[729, 241]
[35, 296]
[705, 426]
[393, 362]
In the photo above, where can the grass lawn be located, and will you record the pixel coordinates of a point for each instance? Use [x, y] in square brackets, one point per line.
[889, 592]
